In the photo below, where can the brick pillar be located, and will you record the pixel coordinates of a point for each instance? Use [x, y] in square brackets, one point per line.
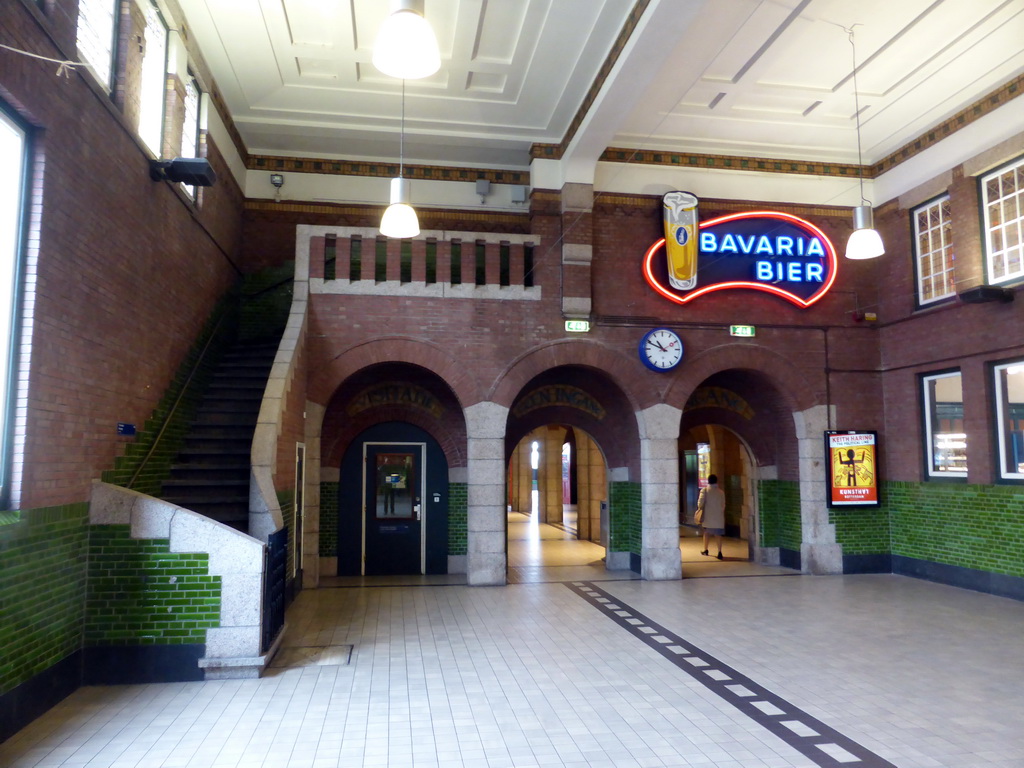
[131, 41]
[492, 263]
[317, 246]
[512, 479]
[444, 261]
[174, 115]
[519, 478]
[969, 265]
[598, 482]
[393, 267]
[591, 488]
[577, 250]
[551, 470]
[368, 256]
[419, 261]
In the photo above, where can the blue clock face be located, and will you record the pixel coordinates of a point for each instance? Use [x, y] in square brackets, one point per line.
[661, 349]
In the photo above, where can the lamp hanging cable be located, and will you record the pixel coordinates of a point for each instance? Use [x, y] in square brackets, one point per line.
[856, 113]
[864, 242]
[399, 220]
[401, 137]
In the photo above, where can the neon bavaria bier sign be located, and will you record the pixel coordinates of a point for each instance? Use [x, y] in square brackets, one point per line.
[768, 251]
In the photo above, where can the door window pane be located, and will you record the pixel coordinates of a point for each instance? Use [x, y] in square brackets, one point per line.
[396, 484]
[946, 441]
[1009, 381]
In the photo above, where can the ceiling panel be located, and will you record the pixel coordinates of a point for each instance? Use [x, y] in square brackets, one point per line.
[770, 78]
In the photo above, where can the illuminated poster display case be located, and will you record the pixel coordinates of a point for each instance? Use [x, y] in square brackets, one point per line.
[852, 462]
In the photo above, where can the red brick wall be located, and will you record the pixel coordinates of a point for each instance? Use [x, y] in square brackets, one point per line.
[127, 274]
[493, 349]
[940, 337]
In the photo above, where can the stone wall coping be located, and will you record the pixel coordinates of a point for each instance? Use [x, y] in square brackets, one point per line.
[234, 556]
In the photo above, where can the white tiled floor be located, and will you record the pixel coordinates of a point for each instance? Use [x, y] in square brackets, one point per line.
[533, 676]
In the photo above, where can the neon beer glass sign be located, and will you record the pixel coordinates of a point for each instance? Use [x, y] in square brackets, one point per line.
[767, 251]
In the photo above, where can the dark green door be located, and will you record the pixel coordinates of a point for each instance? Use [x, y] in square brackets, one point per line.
[393, 508]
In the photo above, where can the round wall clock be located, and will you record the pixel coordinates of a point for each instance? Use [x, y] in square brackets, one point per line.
[661, 349]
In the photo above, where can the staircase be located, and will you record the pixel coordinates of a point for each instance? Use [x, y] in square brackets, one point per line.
[211, 473]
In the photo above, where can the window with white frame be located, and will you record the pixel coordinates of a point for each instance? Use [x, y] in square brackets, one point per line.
[13, 156]
[1009, 383]
[97, 25]
[153, 96]
[933, 251]
[945, 438]
[1002, 201]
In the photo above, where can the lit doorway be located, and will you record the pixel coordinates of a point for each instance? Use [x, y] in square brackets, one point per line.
[557, 480]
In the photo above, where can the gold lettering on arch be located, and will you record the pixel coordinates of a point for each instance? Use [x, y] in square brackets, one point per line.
[556, 395]
[393, 393]
[718, 397]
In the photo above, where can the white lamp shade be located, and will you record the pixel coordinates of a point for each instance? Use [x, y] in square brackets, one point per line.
[865, 242]
[406, 47]
[399, 220]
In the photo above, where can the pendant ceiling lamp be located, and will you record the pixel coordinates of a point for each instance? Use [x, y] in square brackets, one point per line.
[406, 47]
[865, 242]
[399, 220]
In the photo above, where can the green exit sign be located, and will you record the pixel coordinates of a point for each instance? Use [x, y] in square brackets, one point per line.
[742, 330]
[577, 326]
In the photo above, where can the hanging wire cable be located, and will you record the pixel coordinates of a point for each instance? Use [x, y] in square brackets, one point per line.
[856, 114]
[401, 138]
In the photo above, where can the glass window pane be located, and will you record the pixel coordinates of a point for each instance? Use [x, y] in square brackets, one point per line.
[1003, 201]
[190, 125]
[95, 36]
[153, 82]
[12, 148]
[934, 256]
[946, 440]
[1009, 381]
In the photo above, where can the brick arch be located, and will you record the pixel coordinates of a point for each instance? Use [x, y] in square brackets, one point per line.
[339, 428]
[573, 352]
[789, 380]
[328, 373]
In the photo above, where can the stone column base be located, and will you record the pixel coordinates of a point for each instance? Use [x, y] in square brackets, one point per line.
[821, 559]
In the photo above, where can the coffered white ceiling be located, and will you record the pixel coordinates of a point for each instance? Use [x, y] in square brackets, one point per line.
[763, 78]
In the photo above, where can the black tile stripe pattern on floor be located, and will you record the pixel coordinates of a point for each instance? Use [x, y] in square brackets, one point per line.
[820, 743]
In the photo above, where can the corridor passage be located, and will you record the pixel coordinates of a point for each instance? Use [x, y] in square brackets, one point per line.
[744, 672]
